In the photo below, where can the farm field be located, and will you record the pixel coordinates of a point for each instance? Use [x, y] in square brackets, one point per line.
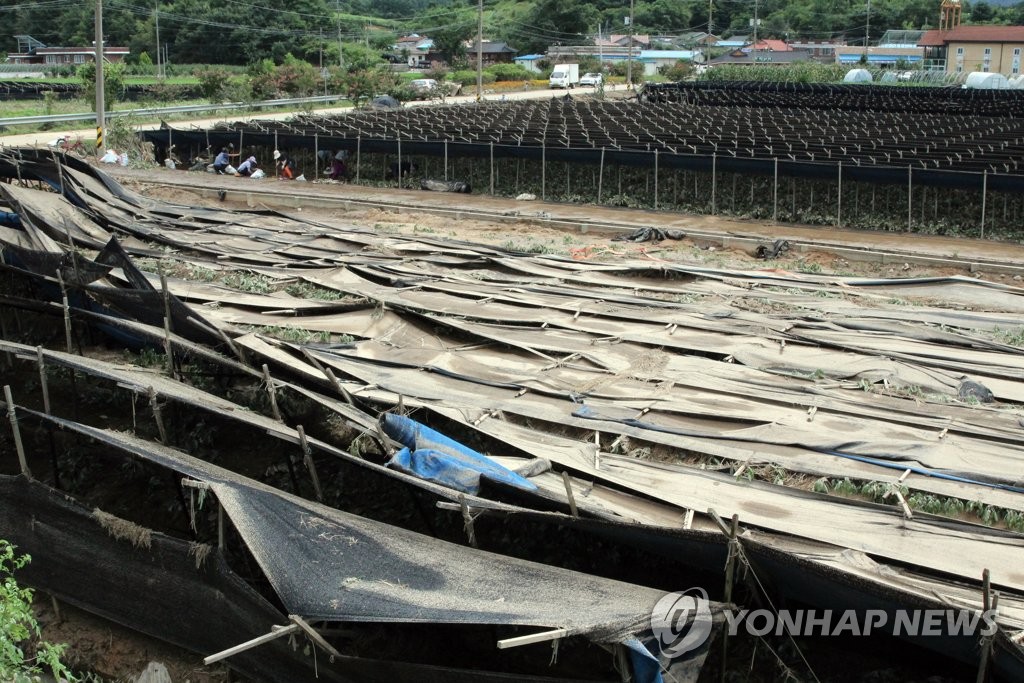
[232, 374]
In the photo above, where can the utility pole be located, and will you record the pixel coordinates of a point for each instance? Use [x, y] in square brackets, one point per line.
[341, 57]
[629, 56]
[100, 103]
[711, 11]
[867, 29]
[479, 50]
[159, 56]
[753, 48]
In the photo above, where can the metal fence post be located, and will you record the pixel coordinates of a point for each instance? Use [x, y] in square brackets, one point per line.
[492, 168]
[359, 144]
[839, 205]
[446, 161]
[775, 193]
[714, 183]
[316, 155]
[655, 180]
[600, 177]
[543, 169]
[399, 174]
[910, 198]
[984, 198]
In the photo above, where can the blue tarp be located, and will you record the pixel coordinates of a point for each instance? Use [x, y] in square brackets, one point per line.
[432, 456]
[646, 668]
[11, 220]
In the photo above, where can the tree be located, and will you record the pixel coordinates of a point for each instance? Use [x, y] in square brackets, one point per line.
[113, 81]
[18, 626]
[560, 21]
[981, 12]
[450, 29]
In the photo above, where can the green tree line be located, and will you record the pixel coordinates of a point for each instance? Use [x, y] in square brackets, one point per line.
[243, 33]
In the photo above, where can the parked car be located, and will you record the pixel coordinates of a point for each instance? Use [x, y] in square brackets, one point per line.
[423, 87]
[592, 79]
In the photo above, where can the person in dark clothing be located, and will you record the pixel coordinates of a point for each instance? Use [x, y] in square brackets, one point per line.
[339, 171]
[407, 168]
[222, 161]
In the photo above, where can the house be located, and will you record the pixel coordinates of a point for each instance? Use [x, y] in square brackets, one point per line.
[529, 62]
[416, 50]
[822, 51]
[615, 40]
[32, 51]
[760, 57]
[879, 55]
[492, 52]
[772, 45]
[656, 59]
[963, 49]
[697, 39]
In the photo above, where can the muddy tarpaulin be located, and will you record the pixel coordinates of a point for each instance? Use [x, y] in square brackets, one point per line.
[329, 565]
[177, 591]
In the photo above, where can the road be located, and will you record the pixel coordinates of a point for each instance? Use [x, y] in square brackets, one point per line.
[40, 138]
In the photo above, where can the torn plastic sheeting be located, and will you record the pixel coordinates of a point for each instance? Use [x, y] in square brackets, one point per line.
[435, 457]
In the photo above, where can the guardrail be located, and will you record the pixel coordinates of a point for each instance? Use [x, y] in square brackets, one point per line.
[156, 111]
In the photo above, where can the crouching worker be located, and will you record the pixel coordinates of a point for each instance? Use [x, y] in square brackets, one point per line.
[247, 167]
[339, 170]
[407, 168]
[285, 166]
[221, 162]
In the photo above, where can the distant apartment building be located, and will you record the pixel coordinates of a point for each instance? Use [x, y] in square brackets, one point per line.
[964, 49]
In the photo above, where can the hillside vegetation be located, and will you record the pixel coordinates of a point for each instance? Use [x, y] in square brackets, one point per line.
[237, 32]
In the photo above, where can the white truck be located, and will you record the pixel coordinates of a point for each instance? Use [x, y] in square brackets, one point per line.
[564, 76]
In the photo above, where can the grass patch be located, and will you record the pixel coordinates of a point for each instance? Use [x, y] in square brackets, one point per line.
[306, 290]
[1009, 337]
[249, 282]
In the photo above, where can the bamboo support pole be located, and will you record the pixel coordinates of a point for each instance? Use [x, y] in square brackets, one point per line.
[158, 416]
[67, 311]
[567, 481]
[307, 458]
[272, 392]
[12, 415]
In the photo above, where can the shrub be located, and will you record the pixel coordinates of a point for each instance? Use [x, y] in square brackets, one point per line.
[507, 72]
[211, 83]
[18, 626]
[468, 77]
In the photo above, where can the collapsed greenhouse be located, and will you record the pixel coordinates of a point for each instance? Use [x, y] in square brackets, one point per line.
[927, 159]
[415, 449]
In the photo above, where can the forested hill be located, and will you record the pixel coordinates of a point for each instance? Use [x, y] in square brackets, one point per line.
[240, 31]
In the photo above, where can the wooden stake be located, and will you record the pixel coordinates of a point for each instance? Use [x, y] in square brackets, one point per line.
[541, 637]
[307, 458]
[273, 394]
[42, 379]
[730, 570]
[250, 644]
[337, 385]
[12, 415]
[314, 636]
[467, 521]
[67, 311]
[569, 494]
[155, 405]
